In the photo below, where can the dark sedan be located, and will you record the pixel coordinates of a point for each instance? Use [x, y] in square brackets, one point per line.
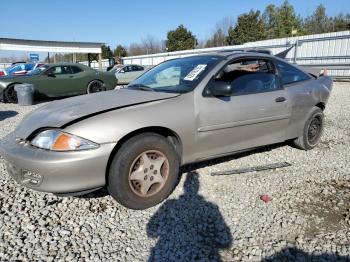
[59, 80]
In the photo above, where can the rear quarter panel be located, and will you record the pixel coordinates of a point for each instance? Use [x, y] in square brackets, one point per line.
[305, 95]
[108, 79]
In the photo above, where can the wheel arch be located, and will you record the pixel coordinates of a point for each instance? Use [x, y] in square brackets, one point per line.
[95, 79]
[171, 135]
[321, 105]
[6, 87]
[12, 84]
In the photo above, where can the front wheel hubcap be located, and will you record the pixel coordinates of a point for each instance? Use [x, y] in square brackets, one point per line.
[148, 173]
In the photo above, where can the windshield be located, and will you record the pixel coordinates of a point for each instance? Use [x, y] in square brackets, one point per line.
[117, 68]
[175, 76]
[15, 68]
[38, 70]
[20, 67]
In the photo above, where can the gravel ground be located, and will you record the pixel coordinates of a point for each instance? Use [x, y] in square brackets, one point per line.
[207, 217]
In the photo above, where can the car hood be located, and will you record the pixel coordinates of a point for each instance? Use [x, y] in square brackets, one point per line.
[10, 77]
[64, 112]
[4, 80]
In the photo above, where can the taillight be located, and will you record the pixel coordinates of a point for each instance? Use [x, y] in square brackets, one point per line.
[2, 73]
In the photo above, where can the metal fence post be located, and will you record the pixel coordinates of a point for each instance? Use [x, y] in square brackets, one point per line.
[296, 51]
[100, 61]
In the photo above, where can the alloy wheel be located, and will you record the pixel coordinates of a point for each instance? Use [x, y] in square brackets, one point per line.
[96, 86]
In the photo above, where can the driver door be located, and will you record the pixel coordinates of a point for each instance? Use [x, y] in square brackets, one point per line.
[256, 113]
[56, 81]
[125, 75]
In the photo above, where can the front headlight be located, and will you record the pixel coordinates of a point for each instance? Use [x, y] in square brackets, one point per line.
[57, 140]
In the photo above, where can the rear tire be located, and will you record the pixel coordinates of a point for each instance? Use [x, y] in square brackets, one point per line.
[313, 130]
[10, 95]
[95, 86]
[144, 171]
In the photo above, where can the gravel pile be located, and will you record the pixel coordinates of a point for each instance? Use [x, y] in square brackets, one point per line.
[207, 217]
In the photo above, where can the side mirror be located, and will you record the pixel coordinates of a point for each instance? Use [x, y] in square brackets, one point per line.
[218, 88]
[50, 74]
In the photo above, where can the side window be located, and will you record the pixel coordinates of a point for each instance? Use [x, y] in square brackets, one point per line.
[57, 70]
[75, 69]
[290, 74]
[66, 70]
[28, 67]
[250, 76]
[60, 70]
[140, 68]
[135, 68]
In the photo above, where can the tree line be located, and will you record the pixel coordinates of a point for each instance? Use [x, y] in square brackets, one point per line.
[274, 22]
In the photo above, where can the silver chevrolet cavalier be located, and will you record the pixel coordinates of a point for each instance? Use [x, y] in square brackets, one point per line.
[185, 110]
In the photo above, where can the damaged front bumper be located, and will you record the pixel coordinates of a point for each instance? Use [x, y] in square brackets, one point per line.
[55, 172]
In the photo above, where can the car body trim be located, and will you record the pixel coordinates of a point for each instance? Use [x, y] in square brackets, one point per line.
[78, 193]
[242, 123]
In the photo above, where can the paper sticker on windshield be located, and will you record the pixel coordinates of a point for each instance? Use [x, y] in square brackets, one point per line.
[195, 72]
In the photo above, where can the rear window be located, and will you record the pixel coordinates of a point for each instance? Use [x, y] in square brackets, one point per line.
[75, 69]
[290, 74]
[14, 69]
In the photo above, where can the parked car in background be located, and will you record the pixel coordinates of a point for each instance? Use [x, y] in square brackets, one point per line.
[182, 111]
[127, 73]
[57, 80]
[20, 69]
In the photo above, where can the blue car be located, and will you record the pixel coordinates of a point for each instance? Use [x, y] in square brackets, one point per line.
[20, 69]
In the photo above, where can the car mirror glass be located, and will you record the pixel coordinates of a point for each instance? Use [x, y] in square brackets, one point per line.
[50, 74]
[220, 88]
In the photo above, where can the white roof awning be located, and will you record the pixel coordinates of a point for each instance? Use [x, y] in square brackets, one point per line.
[8, 44]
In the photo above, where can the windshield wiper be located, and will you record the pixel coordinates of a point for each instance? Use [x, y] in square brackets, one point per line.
[142, 87]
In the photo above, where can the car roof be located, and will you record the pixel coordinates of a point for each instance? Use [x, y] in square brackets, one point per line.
[69, 64]
[230, 53]
[64, 64]
[131, 65]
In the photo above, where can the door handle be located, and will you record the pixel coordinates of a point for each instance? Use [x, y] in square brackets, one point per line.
[71, 76]
[280, 99]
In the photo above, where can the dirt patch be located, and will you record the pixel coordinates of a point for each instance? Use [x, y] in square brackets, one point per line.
[328, 208]
[327, 144]
[99, 208]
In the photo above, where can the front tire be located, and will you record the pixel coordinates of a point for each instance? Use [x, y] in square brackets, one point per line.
[144, 171]
[95, 86]
[10, 94]
[313, 130]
